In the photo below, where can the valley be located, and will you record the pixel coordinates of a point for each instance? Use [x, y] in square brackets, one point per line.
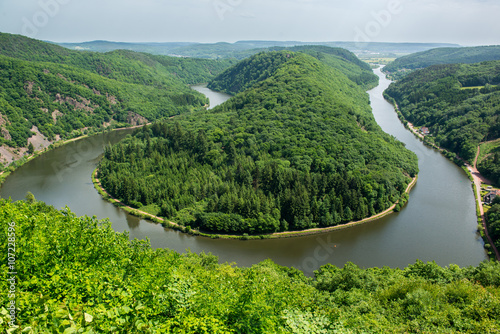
[302, 140]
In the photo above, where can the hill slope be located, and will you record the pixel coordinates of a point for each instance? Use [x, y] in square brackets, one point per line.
[122, 65]
[49, 92]
[460, 104]
[297, 148]
[261, 66]
[467, 55]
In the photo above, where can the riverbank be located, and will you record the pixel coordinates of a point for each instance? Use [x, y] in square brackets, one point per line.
[278, 235]
[474, 176]
[27, 158]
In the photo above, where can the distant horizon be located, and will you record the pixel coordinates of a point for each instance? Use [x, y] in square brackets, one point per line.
[254, 40]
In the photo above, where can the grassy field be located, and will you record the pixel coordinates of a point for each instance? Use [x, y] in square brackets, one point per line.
[474, 87]
[488, 148]
[152, 209]
[377, 60]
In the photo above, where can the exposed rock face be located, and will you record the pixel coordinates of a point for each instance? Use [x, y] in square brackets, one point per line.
[83, 104]
[136, 119]
[38, 140]
[55, 114]
[3, 131]
[29, 87]
[6, 134]
[111, 98]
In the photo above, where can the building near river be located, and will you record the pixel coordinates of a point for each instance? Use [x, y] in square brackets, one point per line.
[488, 198]
[425, 131]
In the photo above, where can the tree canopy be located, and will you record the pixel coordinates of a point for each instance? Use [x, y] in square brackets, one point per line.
[259, 67]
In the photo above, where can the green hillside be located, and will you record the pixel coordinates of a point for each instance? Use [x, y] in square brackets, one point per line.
[76, 275]
[343, 60]
[259, 67]
[64, 93]
[122, 65]
[297, 148]
[460, 104]
[248, 72]
[439, 56]
[59, 99]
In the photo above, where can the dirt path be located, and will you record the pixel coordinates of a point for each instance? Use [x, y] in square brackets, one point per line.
[415, 131]
[478, 181]
[120, 129]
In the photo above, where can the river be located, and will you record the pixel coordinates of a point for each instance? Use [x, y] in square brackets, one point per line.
[438, 224]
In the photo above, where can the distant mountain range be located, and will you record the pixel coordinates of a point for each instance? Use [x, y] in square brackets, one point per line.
[244, 49]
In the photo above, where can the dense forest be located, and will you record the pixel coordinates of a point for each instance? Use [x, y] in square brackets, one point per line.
[76, 275]
[63, 92]
[121, 65]
[459, 103]
[441, 56]
[493, 219]
[299, 148]
[260, 67]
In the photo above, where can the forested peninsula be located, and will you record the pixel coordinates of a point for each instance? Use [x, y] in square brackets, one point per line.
[297, 147]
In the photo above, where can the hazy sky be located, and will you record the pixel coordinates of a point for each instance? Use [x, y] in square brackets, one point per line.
[466, 22]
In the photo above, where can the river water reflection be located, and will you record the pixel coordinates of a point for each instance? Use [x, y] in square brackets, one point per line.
[439, 222]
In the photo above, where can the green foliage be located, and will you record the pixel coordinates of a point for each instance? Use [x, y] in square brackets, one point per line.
[248, 72]
[493, 218]
[298, 149]
[341, 59]
[440, 56]
[458, 119]
[75, 274]
[490, 167]
[263, 65]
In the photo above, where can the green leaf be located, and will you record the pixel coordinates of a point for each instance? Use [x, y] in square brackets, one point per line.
[70, 330]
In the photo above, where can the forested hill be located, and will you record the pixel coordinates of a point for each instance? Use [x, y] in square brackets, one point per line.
[122, 65]
[263, 65]
[77, 275]
[440, 56]
[341, 59]
[49, 92]
[298, 149]
[460, 104]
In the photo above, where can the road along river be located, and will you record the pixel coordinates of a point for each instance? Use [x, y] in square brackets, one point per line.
[439, 222]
